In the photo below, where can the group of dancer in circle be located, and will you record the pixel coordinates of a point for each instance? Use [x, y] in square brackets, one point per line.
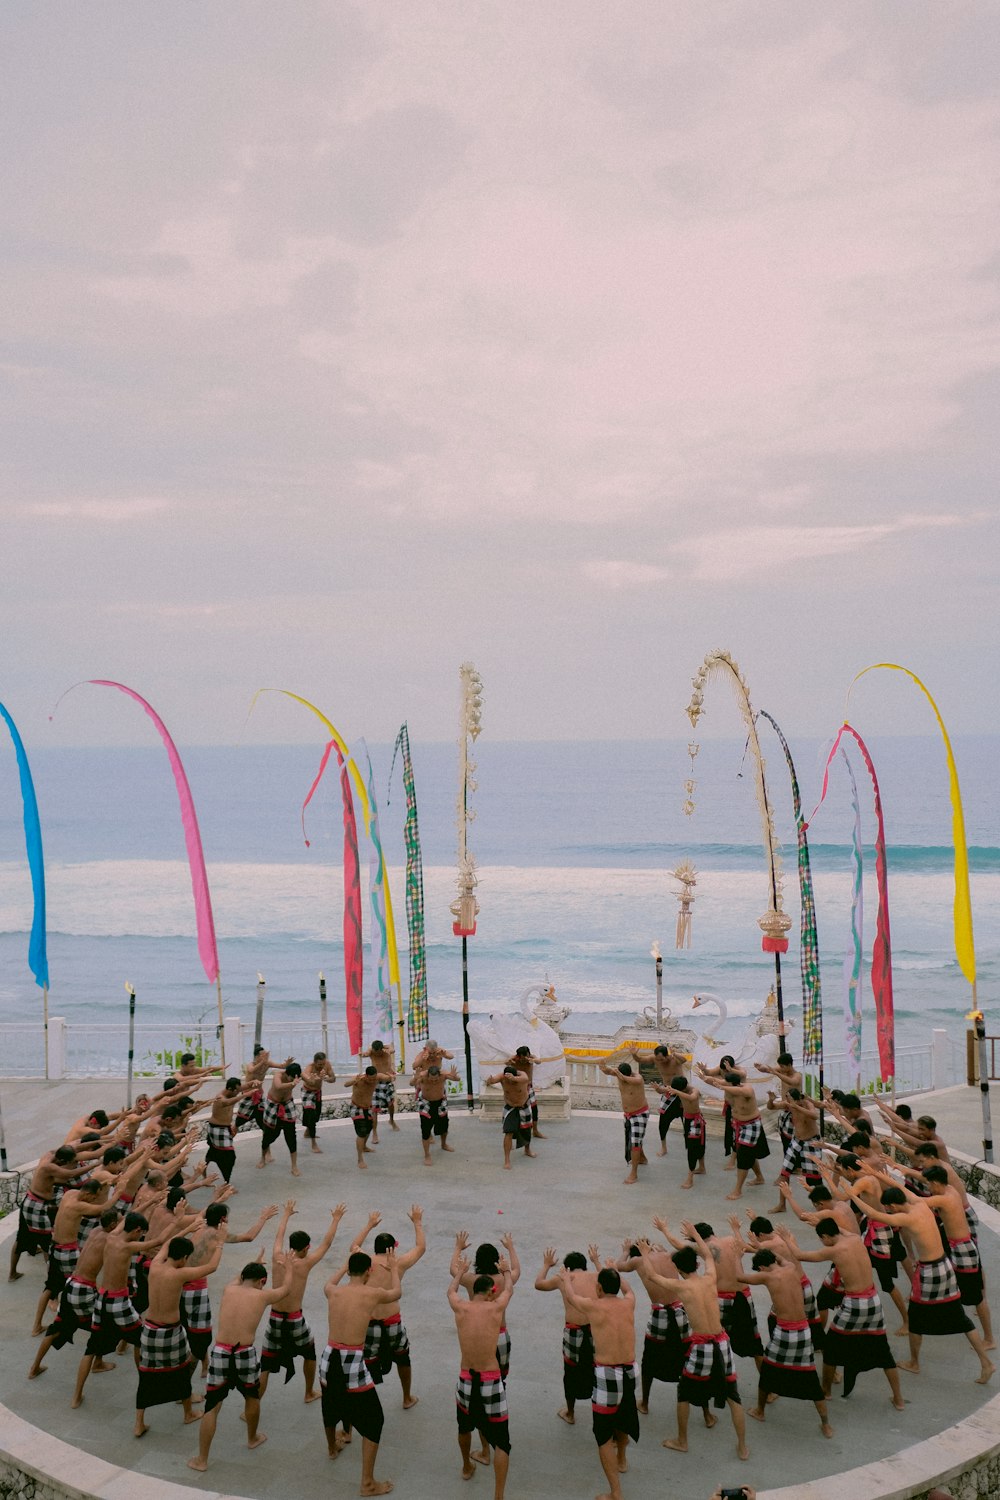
[129, 1261]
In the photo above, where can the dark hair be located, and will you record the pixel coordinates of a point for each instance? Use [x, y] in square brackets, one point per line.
[522, 1052]
[837, 1095]
[258, 1048]
[864, 1126]
[359, 1263]
[136, 1221]
[216, 1214]
[113, 1154]
[170, 1083]
[180, 1248]
[371, 1071]
[928, 1149]
[175, 1195]
[927, 1121]
[481, 1285]
[574, 1261]
[233, 1083]
[99, 1117]
[319, 1057]
[64, 1156]
[893, 1197]
[935, 1174]
[820, 1194]
[850, 1101]
[625, 1068]
[785, 1059]
[254, 1272]
[164, 1139]
[857, 1141]
[88, 1138]
[378, 1047]
[685, 1259]
[109, 1218]
[827, 1228]
[760, 1225]
[704, 1230]
[679, 1082]
[848, 1162]
[90, 1186]
[904, 1111]
[733, 1079]
[384, 1242]
[661, 1051]
[187, 1057]
[486, 1255]
[299, 1240]
[172, 1112]
[433, 1071]
[609, 1281]
[795, 1094]
[763, 1259]
[727, 1057]
[293, 1070]
[634, 1253]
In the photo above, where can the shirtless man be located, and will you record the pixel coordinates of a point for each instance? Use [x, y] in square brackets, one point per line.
[525, 1063]
[489, 1262]
[384, 1060]
[431, 1083]
[748, 1132]
[249, 1109]
[670, 1065]
[709, 1374]
[481, 1395]
[387, 1342]
[614, 1415]
[789, 1365]
[949, 1203]
[114, 1318]
[885, 1250]
[736, 1308]
[288, 1334]
[788, 1077]
[76, 1304]
[803, 1144]
[577, 1341]
[856, 1337]
[196, 1305]
[221, 1151]
[314, 1075]
[38, 1208]
[234, 1363]
[635, 1108]
[689, 1100]
[919, 1132]
[362, 1087]
[667, 1332]
[349, 1394]
[431, 1055]
[278, 1116]
[935, 1299]
[164, 1353]
[517, 1111]
[89, 1197]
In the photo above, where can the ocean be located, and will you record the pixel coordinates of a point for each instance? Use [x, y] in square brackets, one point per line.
[575, 844]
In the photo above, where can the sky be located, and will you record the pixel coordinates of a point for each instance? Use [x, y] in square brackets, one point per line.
[344, 342]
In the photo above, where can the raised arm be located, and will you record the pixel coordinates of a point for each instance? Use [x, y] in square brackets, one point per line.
[374, 1219]
[416, 1218]
[507, 1241]
[543, 1281]
[322, 1249]
[459, 1268]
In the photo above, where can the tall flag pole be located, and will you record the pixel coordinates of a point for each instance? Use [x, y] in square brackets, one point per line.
[130, 991]
[881, 975]
[38, 961]
[207, 945]
[378, 884]
[965, 945]
[465, 908]
[812, 1000]
[775, 922]
[417, 1015]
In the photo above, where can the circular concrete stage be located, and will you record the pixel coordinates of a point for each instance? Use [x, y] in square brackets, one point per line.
[571, 1195]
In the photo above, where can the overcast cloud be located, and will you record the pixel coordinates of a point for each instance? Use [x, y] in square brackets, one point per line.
[343, 342]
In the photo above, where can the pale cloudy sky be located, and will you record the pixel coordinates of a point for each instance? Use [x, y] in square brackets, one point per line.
[342, 342]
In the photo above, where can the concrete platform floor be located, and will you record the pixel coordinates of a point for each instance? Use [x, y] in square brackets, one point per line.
[573, 1193]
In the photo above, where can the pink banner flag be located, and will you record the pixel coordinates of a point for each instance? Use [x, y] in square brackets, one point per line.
[207, 947]
[354, 958]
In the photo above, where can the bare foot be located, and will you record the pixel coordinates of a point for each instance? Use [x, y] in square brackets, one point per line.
[312, 1396]
[102, 1366]
[468, 1471]
[15, 1275]
[256, 1442]
[198, 1464]
[899, 1405]
[528, 1152]
[194, 1416]
[991, 1345]
[377, 1487]
[826, 1429]
[662, 1151]
[686, 1184]
[410, 1401]
[76, 1402]
[756, 1412]
[393, 1125]
[988, 1372]
[911, 1367]
[451, 1148]
[742, 1451]
[675, 1444]
[36, 1333]
[506, 1166]
[732, 1197]
[568, 1417]
[296, 1172]
[363, 1165]
[901, 1332]
[140, 1431]
[710, 1419]
[260, 1164]
[629, 1180]
[640, 1406]
[623, 1465]
[539, 1136]
[772, 1396]
[317, 1150]
[427, 1161]
[482, 1457]
[35, 1371]
[334, 1452]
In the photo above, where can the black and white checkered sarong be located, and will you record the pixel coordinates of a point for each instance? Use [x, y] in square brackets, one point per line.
[275, 1115]
[491, 1390]
[635, 1131]
[709, 1374]
[384, 1094]
[162, 1347]
[576, 1341]
[795, 1157]
[219, 1138]
[232, 1367]
[356, 1374]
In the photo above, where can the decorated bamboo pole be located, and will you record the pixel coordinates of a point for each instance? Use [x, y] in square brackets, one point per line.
[323, 1021]
[130, 991]
[465, 908]
[258, 1025]
[775, 922]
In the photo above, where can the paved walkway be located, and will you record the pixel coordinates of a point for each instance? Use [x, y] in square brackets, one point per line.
[571, 1195]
